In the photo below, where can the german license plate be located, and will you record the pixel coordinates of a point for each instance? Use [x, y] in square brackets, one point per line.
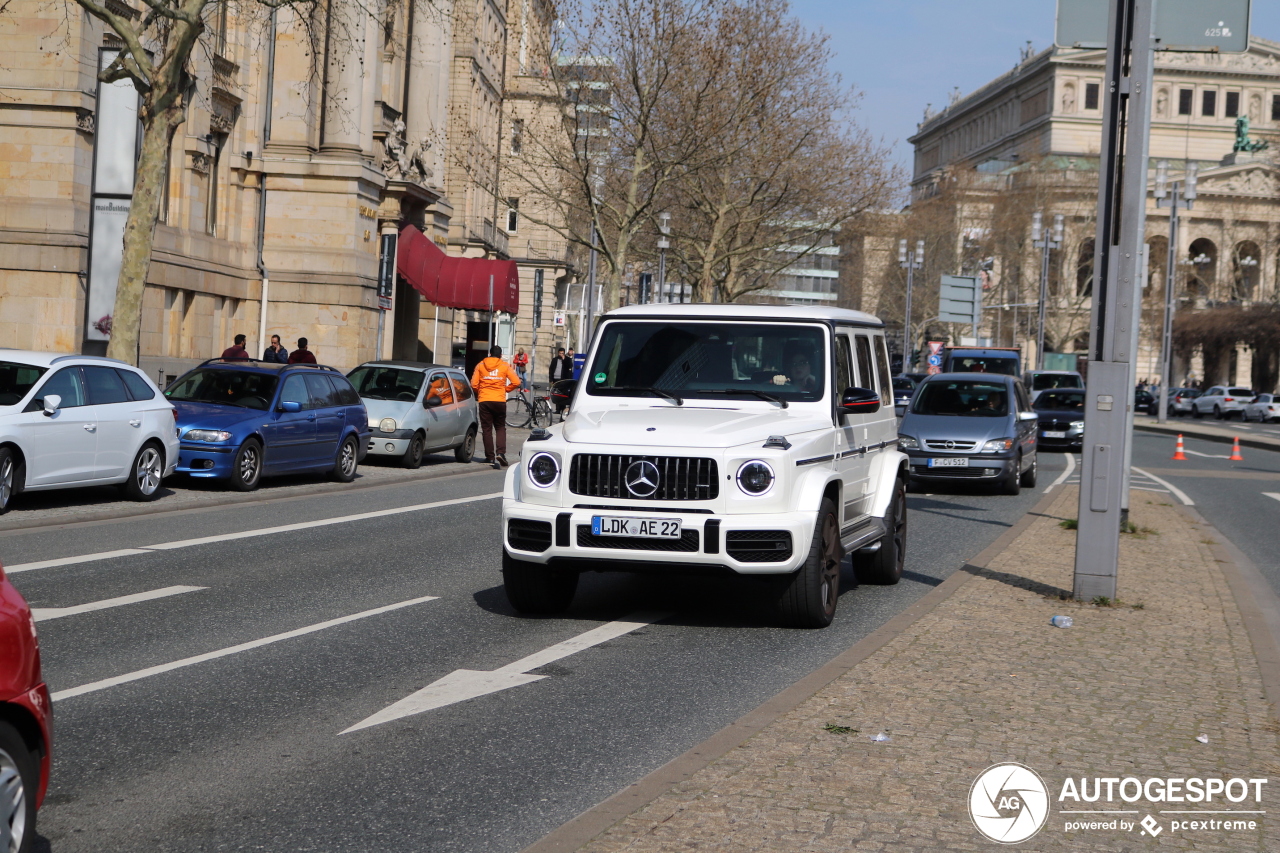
[950, 462]
[1049, 433]
[640, 528]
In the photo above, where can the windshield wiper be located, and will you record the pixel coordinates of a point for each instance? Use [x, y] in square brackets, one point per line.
[655, 391]
[763, 396]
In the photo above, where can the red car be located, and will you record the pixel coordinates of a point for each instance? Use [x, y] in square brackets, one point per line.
[26, 720]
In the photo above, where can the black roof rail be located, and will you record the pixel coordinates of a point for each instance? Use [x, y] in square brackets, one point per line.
[259, 362]
[234, 360]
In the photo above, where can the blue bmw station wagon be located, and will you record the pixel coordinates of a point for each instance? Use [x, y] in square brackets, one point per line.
[242, 420]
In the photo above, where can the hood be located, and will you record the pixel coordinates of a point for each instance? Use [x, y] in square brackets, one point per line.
[1060, 414]
[379, 409]
[941, 427]
[686, 426]
[214, 416]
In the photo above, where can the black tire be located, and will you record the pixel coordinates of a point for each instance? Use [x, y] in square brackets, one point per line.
[246, 468]
[8, 478]
[145, 474]
[535, 589]
[809, 597]
[884, 566]
[19, 782]
[466, 451]
[413, 455]
[518, 412]
[1028, 478]
[1195, 411]
[347, 460]
[1012, 484]
[541, 413]
[1217, 412]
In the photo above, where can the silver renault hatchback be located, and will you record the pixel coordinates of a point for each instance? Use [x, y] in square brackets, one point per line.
[971, 427]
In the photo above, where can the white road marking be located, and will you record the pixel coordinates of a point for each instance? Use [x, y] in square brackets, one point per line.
[1062, 478]
[1181, 495]
[1207, 455]
[231, 650]
[245, 534]
[1146, 489]
[1275, 495]
[44, 614]
[463, 684]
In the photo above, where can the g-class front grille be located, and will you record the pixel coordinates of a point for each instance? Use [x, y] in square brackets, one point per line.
[664, 478]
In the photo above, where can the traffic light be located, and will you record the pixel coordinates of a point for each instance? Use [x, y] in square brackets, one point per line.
[915, 358]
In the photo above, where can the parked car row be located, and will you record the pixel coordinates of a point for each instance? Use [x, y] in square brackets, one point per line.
[69, 421]
[1222, 401]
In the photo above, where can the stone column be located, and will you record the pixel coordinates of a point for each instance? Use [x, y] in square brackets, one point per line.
[344, 85]
[427, 100]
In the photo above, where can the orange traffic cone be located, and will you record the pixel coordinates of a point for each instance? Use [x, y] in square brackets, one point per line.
[1178, 455]
[1235, 451]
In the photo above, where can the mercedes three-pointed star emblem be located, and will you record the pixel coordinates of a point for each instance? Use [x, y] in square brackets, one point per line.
[642, 478]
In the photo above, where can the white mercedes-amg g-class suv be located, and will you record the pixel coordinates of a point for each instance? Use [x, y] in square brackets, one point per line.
[753, 439]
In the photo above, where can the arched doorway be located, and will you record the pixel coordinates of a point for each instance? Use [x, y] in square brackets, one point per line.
[1202, 267]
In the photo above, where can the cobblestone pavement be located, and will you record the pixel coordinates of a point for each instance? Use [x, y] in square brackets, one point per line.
[983, 678]
[61, 506]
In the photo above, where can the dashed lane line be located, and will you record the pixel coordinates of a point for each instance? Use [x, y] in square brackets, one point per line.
[1275, 495]
[44, 614]
[244, 534]
[94, 686]
[1181, 495]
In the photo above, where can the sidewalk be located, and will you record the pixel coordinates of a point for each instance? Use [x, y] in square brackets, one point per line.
[982, 678]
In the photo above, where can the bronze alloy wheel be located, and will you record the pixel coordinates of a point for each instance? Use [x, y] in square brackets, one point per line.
[832, 554]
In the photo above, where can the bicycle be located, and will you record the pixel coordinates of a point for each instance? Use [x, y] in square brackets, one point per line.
[526, 411]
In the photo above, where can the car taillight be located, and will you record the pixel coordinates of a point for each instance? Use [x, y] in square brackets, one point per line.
[1228, 399]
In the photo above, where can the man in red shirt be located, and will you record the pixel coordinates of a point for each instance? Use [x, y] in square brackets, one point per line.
[237, 350]
[302, 355]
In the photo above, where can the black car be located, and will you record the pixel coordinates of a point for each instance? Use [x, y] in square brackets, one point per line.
[903, 390]
[1144, 401]
[1061, 414]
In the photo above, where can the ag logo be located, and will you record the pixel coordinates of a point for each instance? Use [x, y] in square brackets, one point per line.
[1008, 803]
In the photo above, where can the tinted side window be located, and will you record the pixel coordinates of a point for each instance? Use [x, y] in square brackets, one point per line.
[882, 370]
[866, 368]
[323, 394]
[844, 362]
[67, 384]
[461, 387]
[138, 387]
[347, 395]
[105, 386]
[295, 391]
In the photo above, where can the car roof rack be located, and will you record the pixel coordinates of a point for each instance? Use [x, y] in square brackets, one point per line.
[90, 358]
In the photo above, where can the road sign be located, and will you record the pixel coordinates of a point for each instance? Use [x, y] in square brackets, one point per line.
[960, 300]
[935, 360]
[1183, 25]
[935, 357]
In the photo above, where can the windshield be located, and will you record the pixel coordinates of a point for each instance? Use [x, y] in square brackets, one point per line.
[903, 385]
[16, 380]
[735, 360]
[243, 388]
[387, 383]
[1060, 401]
[972, 399]
[1041, 381]
[984, 364]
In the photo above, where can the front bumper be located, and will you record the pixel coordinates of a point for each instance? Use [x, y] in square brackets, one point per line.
[203, 459]
[985, 466]
[388, 443]
[744, 544]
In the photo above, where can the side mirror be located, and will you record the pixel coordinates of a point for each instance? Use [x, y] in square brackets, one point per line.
[1027, 416]
[564, 388]
[859, 401]
[290, 406]
[432, 401]
[52, 402]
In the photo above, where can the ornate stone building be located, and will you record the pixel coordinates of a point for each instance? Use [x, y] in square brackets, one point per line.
[305, 144]
[1029, 141]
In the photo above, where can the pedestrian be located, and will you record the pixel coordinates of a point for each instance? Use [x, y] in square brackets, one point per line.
[561, 369]
[237, 349]
[521, 364]
[493, 380]
[302, 355]
[276, 354]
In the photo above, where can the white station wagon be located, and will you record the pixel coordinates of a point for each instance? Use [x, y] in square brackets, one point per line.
[79, 420]
[755, 440]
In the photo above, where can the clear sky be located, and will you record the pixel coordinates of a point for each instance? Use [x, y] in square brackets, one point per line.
[903, 54]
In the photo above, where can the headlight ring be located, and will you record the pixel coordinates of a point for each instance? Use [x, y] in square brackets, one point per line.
[755, 478]
[543, 470]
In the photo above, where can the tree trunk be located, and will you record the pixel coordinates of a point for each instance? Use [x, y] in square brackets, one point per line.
[139, 232]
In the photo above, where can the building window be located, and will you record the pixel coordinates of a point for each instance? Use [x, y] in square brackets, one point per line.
[517, 135]
[513, 215]
[1091, 96]
[1184, 101]
[1231, 108]
[1209, 103]
[1275, 107]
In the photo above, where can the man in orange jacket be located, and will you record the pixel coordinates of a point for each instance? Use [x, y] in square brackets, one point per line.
[492, 380]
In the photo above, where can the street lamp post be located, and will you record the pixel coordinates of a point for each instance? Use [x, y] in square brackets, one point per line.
[1181, 194]
[664, 227]
[1045, 243]
[910, 261]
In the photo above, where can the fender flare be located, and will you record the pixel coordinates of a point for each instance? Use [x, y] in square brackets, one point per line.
[812, 484]
[888, 466]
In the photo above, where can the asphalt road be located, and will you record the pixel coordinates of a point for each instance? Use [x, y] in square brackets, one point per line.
[163, 745]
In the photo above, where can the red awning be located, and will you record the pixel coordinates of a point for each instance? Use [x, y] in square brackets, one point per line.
[456, 282]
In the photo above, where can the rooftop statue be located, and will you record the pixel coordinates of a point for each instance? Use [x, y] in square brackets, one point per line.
[1243, 142]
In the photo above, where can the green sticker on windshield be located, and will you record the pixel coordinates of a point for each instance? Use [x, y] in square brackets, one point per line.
[601, 377]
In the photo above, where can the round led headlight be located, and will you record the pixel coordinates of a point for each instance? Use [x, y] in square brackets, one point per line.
[544, 470]
[755, 477]
[387, 425]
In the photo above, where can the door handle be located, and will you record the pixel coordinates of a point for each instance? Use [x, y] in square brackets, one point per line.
[90, 427]
[135, 422]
